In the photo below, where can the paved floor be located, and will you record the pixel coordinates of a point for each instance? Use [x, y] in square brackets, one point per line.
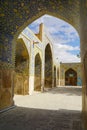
[56, 109]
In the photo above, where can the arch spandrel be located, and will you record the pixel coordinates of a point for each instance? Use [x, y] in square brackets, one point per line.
[28, 11]
[21, 41]
[21, 14]
[37, 51]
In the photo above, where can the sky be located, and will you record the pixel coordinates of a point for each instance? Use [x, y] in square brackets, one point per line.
[66, 42]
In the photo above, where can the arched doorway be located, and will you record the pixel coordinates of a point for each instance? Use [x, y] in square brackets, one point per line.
[54, 76]
[48, 67]
[16, 19]
[21, 83]
[37, 81]
[71, 77]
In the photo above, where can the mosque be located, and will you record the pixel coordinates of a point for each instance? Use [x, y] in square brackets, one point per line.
[27, 61]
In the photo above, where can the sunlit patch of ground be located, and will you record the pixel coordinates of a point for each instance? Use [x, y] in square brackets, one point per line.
[65, 97]
[56, 109]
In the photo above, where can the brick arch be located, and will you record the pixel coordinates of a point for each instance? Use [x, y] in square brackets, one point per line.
[37, 73]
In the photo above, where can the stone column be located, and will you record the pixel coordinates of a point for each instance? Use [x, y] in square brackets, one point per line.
[53, 75]
[7, 49]
[43, 71]
[31, 69]
[56, 76]
[59, 75]
[83, 36]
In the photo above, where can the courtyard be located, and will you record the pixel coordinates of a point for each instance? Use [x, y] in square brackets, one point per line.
[55, 109]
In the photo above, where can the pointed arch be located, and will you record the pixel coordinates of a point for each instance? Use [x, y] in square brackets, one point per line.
[21, 68]
[37, 77]
[71, 77]
[48, 66]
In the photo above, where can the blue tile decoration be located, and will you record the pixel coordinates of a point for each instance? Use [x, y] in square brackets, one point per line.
[79, 81]
[16, 15]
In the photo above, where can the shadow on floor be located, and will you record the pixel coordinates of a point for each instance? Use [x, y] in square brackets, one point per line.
[21, 118]
[66, 90]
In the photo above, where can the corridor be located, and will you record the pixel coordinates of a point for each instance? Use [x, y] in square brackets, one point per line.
[55, 109]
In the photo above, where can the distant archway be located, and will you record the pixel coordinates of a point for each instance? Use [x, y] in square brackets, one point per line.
[48, 67]
[21, 69]
[38, 65]
[71, 77]
[54, 76]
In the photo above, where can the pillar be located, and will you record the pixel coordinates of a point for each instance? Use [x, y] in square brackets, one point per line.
[53, 75]
[56, 76]
[7, 49]
[43, 71]
[31, 69]
[83, 36]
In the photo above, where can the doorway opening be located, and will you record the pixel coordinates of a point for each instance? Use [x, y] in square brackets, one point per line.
[48, 67]
[71, 77]
[38, 66]
[47, 100]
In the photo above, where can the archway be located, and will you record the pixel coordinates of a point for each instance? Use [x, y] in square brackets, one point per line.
[71, 77]
[48, 67]
[21, 83]
[38, 66]
[15, 19]
[54, 76]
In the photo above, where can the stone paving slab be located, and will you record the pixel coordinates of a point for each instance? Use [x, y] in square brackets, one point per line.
[38, 119]
[59, 117]
[57, 98]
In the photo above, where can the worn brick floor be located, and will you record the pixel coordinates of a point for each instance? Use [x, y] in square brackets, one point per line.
[56, 109]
